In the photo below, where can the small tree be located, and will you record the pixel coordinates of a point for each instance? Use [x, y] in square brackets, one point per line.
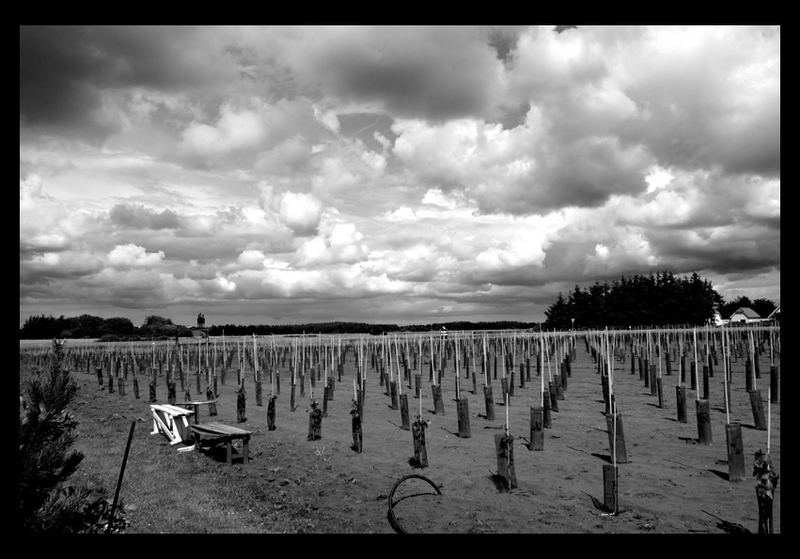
[46, 434]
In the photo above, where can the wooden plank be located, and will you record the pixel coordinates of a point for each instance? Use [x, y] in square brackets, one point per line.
[176, 411]
[172, 410]
[221, 428]
[205, 434]
[160, 427]
[197, 403]
[169, 431]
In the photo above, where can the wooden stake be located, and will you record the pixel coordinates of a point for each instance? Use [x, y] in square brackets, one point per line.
[769, 418]
[694, 346]
[507, 427]
[119, 480]
[753, 359]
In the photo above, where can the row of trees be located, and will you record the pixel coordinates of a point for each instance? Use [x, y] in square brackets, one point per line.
[359, 327]
[156, 327]
[41, 327]
[654, 300]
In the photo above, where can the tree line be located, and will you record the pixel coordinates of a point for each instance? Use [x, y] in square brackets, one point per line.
[359, 328]
[41, 327]
[658, 299]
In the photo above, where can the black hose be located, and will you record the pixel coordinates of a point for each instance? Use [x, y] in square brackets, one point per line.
[390, 514]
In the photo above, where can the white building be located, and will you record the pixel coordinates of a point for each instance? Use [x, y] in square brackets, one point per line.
[744, 315]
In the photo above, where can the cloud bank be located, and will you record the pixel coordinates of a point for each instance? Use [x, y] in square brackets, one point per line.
[390, 173]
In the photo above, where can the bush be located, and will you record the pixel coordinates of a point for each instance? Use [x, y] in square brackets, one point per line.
[47, 431]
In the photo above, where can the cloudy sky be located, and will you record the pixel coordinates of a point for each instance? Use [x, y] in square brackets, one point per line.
[390, 174]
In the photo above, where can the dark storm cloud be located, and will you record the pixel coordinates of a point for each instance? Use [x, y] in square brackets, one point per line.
[138, 217]
[585, 174]
[562, 28]
[739, 251]
[43, 268]
[503, 40]
[57, 80]
[65, 71]
[588, 172]
[435, 73]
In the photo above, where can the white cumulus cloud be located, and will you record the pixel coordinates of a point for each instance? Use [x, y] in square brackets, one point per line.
[134, 256]
[300, 212]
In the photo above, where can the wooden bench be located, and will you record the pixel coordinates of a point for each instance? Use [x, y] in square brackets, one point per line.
[172, 422]
[196, 407]
[213, 433]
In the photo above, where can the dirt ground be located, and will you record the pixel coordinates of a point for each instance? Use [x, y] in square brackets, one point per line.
[293, 485]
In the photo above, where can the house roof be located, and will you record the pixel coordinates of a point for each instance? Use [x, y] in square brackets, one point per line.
[747, 311]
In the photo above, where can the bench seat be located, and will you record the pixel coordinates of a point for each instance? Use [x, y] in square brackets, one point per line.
[213, 433]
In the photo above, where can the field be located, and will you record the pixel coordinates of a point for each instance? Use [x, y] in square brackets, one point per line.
[298, 486]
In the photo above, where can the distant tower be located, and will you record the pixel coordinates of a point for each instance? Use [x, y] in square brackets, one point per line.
[201, 321]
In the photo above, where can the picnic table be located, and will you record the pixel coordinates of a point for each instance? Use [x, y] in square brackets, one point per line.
[213, 433]
[172, 422]
[196, 407]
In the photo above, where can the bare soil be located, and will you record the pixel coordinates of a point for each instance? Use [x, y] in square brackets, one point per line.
[292, 485]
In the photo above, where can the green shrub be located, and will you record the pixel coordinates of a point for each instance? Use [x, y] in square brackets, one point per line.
[47, 431]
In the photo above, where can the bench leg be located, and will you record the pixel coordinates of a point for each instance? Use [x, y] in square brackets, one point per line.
[245, 450]
[229, 452]
[176, 433]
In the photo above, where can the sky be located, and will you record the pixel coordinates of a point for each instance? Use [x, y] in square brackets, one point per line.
[404, 175]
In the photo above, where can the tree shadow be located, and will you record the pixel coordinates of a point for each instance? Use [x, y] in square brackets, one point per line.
[692, 440]
[605, 457]
[598, 504]
[752, 427]
[500, 483]
[724, 475]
